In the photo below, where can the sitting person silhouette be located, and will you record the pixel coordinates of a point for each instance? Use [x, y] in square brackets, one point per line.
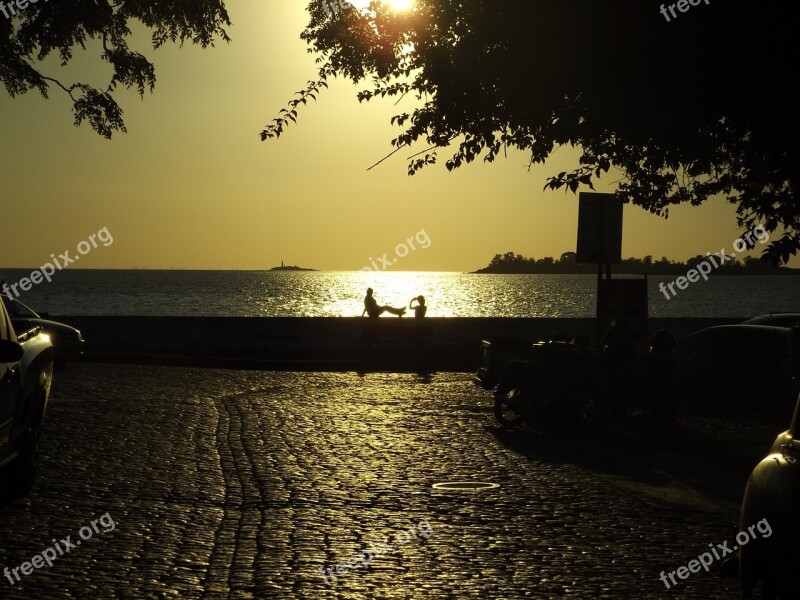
[373, 310]
[420, 309]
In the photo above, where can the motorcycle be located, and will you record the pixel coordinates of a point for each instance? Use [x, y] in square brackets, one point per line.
[556, 385]
[551, 383]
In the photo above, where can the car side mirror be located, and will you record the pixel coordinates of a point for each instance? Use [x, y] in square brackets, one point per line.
[10, 352]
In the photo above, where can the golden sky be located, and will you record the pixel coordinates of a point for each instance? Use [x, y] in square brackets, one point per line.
[192, 186]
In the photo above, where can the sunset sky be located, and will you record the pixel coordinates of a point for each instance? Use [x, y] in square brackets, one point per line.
[192, 186]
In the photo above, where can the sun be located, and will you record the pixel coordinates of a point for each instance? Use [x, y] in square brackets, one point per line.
[401, 4]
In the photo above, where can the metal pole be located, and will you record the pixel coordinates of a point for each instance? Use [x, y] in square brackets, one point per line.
[598, 324]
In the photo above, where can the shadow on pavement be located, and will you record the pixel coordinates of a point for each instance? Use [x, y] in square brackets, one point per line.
[702, 461]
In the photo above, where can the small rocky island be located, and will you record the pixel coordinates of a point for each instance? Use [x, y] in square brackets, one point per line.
[290, 268]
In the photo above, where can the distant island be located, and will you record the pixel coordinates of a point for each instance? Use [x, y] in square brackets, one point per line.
[290, 268]
[516, 264]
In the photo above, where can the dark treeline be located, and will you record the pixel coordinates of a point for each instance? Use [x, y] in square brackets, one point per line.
[511, 263]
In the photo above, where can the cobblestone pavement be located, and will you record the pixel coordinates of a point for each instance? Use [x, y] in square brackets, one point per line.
[242, 484]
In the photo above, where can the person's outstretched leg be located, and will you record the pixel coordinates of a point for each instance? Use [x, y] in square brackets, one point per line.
[395, 311]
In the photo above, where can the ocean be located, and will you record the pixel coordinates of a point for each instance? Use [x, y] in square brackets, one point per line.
[341, 294]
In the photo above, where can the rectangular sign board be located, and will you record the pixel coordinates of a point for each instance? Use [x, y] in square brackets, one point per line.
[599, 229]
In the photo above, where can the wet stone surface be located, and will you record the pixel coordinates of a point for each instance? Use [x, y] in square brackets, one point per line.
[240, 484]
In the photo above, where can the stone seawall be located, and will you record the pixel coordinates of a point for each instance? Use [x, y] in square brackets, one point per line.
[323, 343]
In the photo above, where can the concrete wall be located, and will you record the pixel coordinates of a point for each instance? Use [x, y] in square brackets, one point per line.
[324, 342]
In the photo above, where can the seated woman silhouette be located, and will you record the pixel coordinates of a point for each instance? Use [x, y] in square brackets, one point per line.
[373, 310]
[420, 309]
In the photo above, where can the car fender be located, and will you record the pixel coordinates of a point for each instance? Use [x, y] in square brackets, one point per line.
[35, 372]
[772, 493]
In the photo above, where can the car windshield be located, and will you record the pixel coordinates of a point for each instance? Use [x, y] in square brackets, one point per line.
[16, 308]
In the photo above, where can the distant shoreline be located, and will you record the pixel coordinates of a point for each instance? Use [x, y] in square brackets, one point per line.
[592, 270]
[589, 270]
[516, 264]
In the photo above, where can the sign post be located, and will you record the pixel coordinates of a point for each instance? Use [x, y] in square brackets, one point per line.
[600, 241]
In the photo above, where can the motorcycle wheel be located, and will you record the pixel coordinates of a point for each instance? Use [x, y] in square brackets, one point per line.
[507, 412]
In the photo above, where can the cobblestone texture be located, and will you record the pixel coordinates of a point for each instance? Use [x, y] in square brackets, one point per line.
[240, 484]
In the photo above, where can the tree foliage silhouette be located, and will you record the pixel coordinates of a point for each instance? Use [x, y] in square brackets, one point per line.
[60, 27]
[701, 106]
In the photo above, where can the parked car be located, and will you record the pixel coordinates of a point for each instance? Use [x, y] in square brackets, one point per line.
[775, 320]
[67, 341]
[738, 365]
[26, 374]
[773, 494]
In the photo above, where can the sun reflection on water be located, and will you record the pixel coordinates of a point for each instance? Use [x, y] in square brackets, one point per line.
[341, 294]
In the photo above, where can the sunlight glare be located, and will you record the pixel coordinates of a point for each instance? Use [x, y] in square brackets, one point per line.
[398, 5]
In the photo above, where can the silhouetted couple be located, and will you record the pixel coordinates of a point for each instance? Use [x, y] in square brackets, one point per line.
[373, 310]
